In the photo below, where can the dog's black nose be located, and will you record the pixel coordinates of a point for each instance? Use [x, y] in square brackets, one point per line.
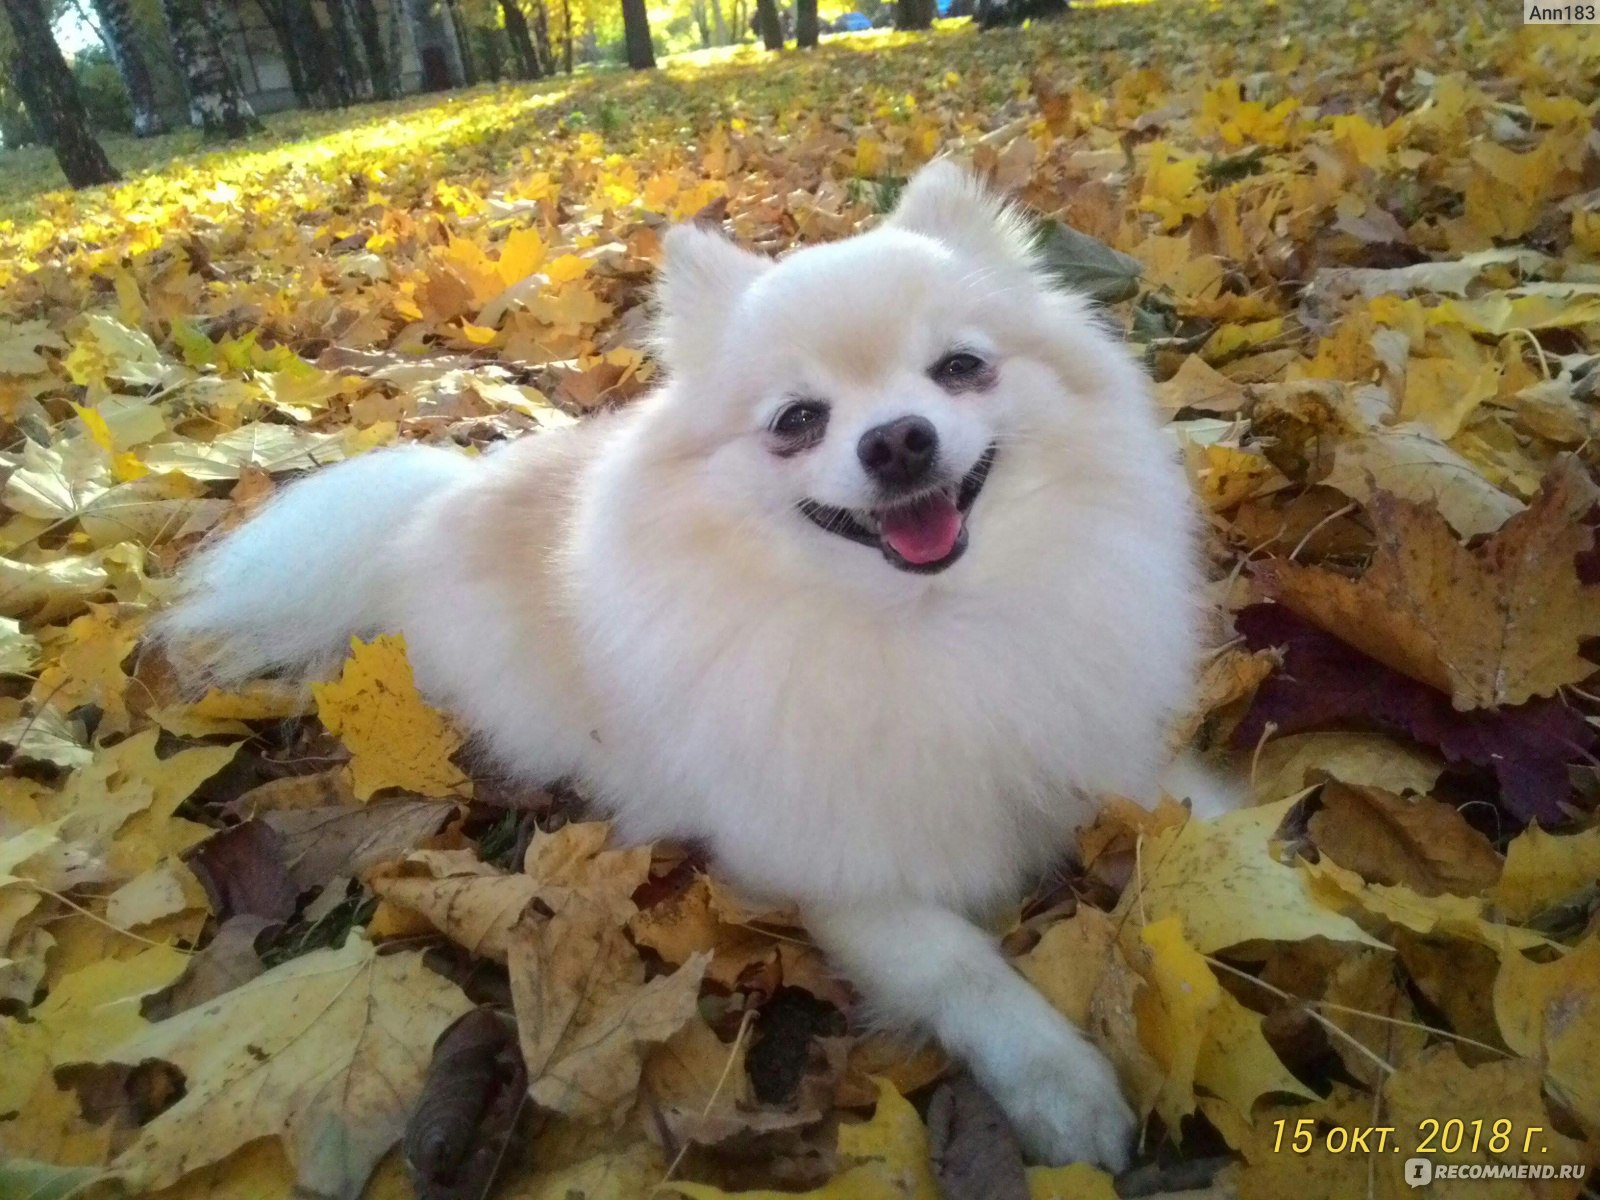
[899, 453]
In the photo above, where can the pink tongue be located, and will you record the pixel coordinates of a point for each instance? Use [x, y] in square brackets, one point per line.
[923, 532]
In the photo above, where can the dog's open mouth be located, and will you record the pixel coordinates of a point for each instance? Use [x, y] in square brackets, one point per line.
[924, 533]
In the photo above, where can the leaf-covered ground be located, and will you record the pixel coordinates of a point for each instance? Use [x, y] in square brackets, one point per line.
[1360, 246]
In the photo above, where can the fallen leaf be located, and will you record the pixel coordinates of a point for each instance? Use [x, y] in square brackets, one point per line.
[585, 1013]
[322, 843]
[1543, 868]
[1222, 881]
[1416, 841]
[1324, 682]
[326, 1052]
[1550, 1013]
[1492, 627]
[395, 739]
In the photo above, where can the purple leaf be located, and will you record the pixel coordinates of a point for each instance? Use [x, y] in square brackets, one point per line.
[1324, 682]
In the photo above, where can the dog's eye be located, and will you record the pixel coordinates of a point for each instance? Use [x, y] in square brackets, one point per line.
[802, 418]
[958, 367]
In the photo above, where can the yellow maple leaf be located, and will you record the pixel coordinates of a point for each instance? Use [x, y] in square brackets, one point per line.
[394, 738]
[1172, 187]
[1544, 868]
[1550, 1013]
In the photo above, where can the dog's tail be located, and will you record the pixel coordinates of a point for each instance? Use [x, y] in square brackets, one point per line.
[288, 589]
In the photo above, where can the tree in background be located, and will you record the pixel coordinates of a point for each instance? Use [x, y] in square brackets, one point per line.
[636, 33]
[522, 43]
[914, 14]
[50, 95]
[435, 40]
[316, 74]
[770, 24]
[122, 38]
[215, 102]
[541, 37]
[352, 62]
[384, 85]
[805, 23]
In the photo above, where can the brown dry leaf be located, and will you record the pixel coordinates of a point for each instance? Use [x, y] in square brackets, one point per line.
[228, 961]
[325, 789]
[1412, 840]
[327, 1052]
[585, 1013]
[698, 1087]
[1457, 978]
[477, 905]
[1365, 998]
[1493, 626]
[575, 861]
[320, 844]
[746, 947]
[475, 908]
[1200, 386]
[1411, 462]
[688, 923]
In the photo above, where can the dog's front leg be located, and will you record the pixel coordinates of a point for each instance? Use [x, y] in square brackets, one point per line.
[918, 964]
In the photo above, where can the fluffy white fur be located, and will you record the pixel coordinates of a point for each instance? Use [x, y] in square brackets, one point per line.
[638, 601]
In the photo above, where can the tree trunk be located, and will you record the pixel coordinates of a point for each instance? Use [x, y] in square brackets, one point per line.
[457, 32]
[51, 95]
[566, 36]
[913, 14]
[371, 31]
[277, 20]
[441, 66]
[314, 71]
[719, 27]
[352, 69]
[541, 39]
[805, 23]
[116, 19]
[215, 103]
[636, 33]
[317, 49]
[770, 23]
[521, 39]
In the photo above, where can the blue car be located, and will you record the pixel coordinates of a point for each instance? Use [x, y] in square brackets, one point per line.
[854, 22]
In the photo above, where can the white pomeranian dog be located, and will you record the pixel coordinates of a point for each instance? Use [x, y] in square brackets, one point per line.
[891, 577]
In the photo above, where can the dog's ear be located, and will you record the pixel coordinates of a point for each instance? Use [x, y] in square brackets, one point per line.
[703, 274]
[947, 202]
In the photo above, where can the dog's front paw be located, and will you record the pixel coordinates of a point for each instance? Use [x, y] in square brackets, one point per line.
[1067, 1107]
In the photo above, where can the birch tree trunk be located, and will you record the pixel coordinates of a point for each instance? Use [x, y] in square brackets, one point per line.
[116, 18]
[215, 102]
